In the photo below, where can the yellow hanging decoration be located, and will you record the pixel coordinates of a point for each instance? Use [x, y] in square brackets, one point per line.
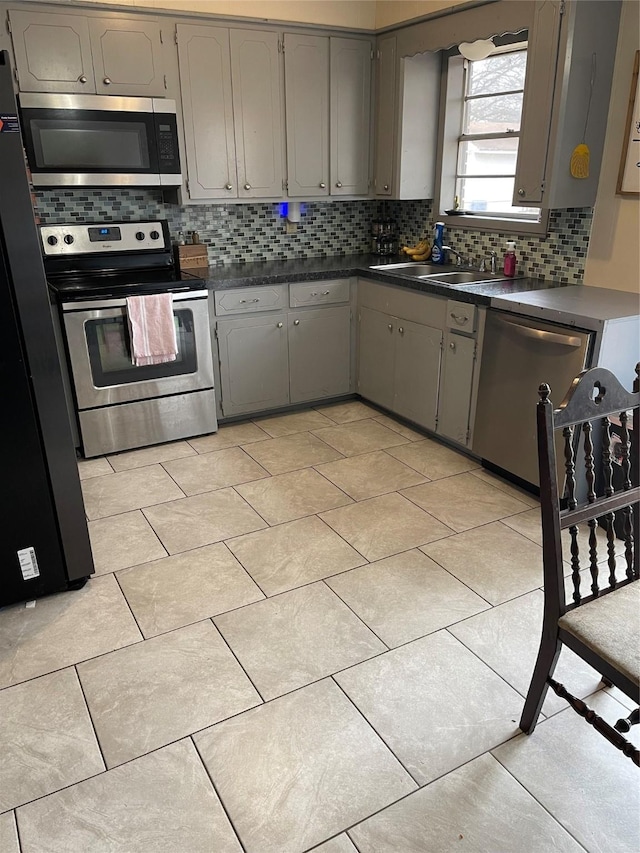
[580, 156]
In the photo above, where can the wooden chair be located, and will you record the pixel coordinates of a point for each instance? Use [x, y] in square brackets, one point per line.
[601, 623]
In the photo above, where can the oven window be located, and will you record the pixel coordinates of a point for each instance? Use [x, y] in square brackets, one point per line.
[109, 348]
[84, 144]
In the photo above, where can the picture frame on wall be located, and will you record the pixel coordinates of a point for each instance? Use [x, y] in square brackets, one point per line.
[629, 172]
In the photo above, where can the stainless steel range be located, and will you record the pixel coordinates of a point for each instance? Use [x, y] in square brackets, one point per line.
[92, 269]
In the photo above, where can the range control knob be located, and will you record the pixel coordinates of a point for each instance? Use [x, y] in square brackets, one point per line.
[154, 235]
[139, 235]
[68, 239]
[52, 241]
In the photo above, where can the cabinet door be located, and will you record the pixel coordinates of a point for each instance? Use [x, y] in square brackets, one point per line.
[306, 67]
[319, 353]
[254, 363]
[350, 114]
[377, 335]
[127, 56]
[417, 372]
[257, 110]
[455, 392]
[53, 52]
[207, 110]
[385, 134]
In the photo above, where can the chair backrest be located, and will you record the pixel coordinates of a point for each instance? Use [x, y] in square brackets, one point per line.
[600, 487]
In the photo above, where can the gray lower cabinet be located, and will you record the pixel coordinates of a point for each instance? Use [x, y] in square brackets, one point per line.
[254, 363]
[127, 56]
[399, 365]
[457, 385]
[319, 353]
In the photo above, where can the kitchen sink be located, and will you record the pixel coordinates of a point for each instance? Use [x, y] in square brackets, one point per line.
[409, 268]
[426, 271]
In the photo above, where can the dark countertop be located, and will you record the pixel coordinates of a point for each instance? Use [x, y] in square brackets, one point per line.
[224, 277]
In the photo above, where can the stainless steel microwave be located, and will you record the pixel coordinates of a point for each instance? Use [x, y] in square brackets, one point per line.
[100, 140]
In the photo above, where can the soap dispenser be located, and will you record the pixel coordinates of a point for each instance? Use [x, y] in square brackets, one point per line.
[510, 259]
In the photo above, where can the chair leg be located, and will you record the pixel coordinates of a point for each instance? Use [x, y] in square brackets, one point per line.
[545, 666]
[625, 723]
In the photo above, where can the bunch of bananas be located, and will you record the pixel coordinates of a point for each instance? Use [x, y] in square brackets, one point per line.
[420, 252]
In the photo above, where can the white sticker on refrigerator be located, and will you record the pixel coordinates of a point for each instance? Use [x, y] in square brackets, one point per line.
[28, 564]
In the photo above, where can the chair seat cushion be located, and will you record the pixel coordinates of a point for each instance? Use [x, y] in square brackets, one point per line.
[610, 626]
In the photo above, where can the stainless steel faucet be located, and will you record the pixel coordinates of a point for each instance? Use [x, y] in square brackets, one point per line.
[492, 257]
[460, 259]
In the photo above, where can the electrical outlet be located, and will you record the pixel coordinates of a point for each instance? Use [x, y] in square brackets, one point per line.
[291, 227]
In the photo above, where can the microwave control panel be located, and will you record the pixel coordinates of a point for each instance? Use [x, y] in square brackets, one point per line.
[167, 140]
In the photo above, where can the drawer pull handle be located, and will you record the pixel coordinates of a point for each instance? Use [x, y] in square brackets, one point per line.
[326, 292]
[244, 301]
[459, 318]
[296, 322]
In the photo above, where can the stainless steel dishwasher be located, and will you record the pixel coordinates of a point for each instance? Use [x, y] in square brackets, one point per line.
[518, 355]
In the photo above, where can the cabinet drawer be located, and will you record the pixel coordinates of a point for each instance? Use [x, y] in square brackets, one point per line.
[319, 293]
[461, 316]
[251, 299]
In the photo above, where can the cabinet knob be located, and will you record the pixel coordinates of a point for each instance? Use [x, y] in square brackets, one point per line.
[390, 327]
[386, 187]
[322, 185]
[452, 346]
[82, 79]
[296, 322]
[326, 292]
[279, 325]
[339, 184]
[247, 186]
[228, 187]
[401, 330]
[521, 192]
[107, 81]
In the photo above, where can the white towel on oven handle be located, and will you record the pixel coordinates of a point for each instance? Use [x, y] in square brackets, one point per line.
[152, 329]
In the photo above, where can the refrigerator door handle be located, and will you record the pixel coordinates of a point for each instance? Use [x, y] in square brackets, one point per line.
[541, 335]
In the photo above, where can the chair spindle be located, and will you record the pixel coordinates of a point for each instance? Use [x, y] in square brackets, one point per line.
[628, 511]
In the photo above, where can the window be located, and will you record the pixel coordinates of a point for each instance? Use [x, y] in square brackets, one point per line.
[483, 111]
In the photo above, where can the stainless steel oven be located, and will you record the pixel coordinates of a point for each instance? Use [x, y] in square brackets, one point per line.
[122, 406]
[100, 140]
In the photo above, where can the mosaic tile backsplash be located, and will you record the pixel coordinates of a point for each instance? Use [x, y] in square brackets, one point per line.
[252, 232]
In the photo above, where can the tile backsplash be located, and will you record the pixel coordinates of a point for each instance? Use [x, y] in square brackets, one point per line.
[254, 231]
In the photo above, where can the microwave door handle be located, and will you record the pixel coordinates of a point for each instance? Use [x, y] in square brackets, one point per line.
[542, 335]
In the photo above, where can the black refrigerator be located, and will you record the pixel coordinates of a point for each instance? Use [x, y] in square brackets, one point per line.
[44, 541]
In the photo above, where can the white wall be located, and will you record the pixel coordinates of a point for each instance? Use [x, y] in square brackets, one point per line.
[613, 259]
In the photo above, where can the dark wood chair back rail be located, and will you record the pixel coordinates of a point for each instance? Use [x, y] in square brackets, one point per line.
[600, 442]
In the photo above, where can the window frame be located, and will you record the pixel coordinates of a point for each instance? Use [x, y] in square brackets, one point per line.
[452, 105]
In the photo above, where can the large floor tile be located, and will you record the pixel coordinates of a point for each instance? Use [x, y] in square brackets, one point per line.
[122, 541]
[127, 490]
[280, 455]
[434, 703]
[293, 554]
[186, 588]
[477, 808]
[88, 468]
[300, 769]
[583, 781]
[506, 486]
[281, 425]
[528, 523]
[351, 439]
[161, 803]
[231, 435]
[9, 834]
[163, 689]
[64, 629]
[406, 596]
[150, 455]
[396, 426]
[370, 475]
[291, 496]
[46, 738]
[384, 526]
[295, 638]
[208, 471]
[202, 520]
[345, 413]
[464, 501]
[339, 844]
[494, 561]
[507, 638]
[432, 459]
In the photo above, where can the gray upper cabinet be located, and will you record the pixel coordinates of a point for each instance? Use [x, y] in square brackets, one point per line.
[52, 52]
[417, 372]
[307, 112]
[319, 353]
[207, 110]
[257, 108]
[127, 56]
[350, 115]
[457, 385]
[254, 363]
[385, 129]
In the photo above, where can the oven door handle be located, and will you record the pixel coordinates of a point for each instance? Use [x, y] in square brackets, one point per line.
[107, 304]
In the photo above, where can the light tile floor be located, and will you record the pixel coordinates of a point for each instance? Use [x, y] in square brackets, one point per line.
[310, 631]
